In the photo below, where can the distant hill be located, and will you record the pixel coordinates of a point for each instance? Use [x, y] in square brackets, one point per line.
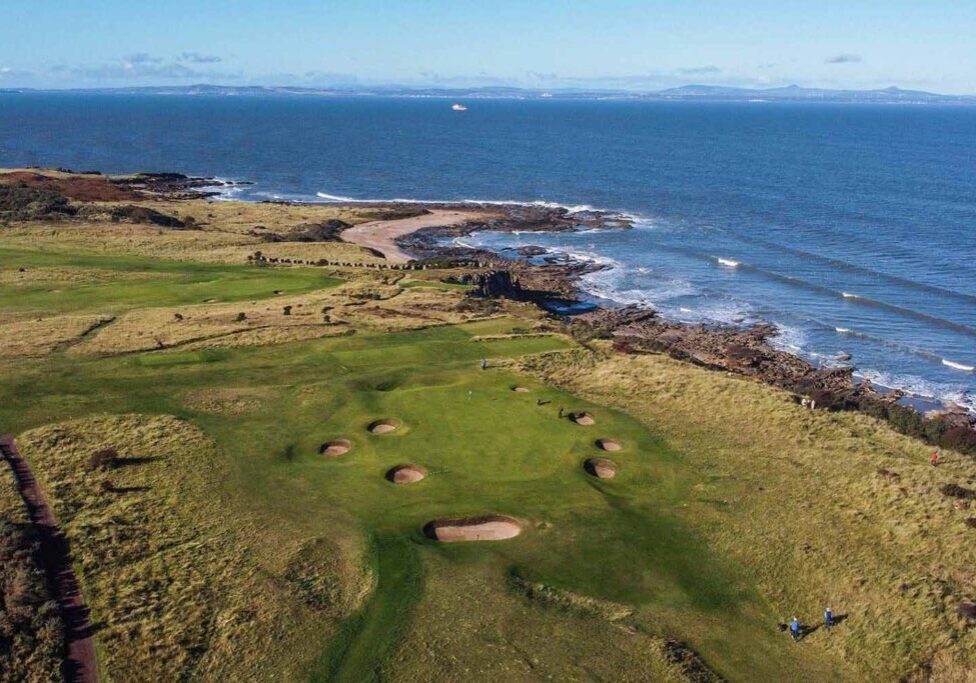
[686, 93]
[794, 93]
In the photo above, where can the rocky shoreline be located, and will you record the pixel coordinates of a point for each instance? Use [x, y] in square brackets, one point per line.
[744, 351]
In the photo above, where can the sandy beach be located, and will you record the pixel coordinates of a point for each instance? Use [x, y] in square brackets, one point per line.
[382, 235]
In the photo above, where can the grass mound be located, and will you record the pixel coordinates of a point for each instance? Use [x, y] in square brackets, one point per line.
[334, 576]
[483, 528]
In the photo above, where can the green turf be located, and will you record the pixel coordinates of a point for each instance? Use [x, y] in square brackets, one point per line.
[488, 449]
[163, 283]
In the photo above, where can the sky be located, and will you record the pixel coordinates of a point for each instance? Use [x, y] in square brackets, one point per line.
[546, 44]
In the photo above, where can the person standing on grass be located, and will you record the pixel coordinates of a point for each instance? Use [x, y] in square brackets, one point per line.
[561, 412]
[795, 629]
[828, 619]
[934, 459]
[484, 363]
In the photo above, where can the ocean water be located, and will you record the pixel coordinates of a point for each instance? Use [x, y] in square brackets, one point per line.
[853, 228]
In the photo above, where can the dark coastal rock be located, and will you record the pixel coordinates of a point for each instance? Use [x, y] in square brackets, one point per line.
[505, 218]
[724, 347]
[531, 250]
[497, 283]
[171, 185]
[523, 282]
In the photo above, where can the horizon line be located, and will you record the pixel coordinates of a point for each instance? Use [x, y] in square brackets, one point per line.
[359, 87]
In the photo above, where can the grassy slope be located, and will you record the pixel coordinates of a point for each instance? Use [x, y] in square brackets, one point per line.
[802, 500]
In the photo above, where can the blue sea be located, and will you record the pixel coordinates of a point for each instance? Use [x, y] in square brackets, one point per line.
[853, 228]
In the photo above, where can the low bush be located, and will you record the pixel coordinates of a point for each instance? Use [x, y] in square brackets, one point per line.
[32, 644]
[957, 491]
[142, 214]
[961, 439]
[103, 459]
[19, 203]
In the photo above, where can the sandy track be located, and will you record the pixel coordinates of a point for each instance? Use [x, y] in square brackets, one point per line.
[382, 235]
[81, 664]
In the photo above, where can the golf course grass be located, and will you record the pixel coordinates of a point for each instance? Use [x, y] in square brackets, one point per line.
[159, 283]
[487, 449]
[223, 544]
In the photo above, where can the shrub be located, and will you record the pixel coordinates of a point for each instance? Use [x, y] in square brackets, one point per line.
[31, 634]
[906, 421]
[962, 439]
[957, 491]
[823, 399]
[19, 203]
[104, 459]
[142, 214]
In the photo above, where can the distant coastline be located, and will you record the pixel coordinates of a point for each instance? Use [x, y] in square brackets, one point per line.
[686, 93]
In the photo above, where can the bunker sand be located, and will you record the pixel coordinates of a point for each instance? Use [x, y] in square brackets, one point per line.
[485, 528]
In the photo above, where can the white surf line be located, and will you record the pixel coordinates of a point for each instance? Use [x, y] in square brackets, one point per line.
[957, 366]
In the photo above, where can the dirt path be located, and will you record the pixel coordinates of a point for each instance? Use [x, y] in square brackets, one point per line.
[81, 664]
[382, 235]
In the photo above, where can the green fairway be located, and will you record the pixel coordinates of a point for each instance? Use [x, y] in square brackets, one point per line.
[133, 281]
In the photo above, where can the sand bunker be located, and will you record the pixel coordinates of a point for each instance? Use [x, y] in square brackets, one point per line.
[609, 444]
[406, 474]
[520, 390]
[582, 419]
[382, 427]
[335, 448]
[601, 468]
[486, 528]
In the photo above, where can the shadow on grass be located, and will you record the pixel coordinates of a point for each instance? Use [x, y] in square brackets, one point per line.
[129, 489]
[133, 462]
